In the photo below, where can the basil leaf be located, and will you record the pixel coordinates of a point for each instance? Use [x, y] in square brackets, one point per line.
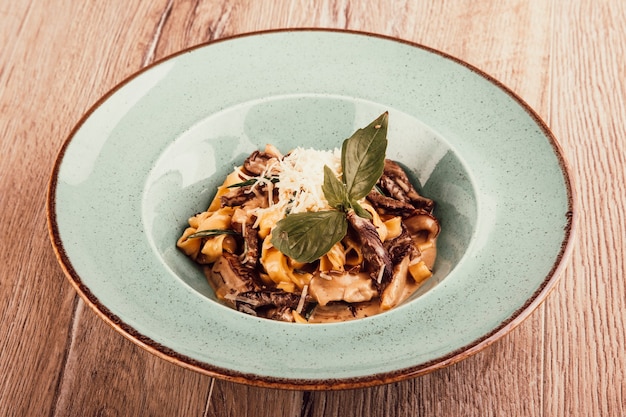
[334, 190]
[360, 211]
[211, 232]
[363, 157]
[305, 237]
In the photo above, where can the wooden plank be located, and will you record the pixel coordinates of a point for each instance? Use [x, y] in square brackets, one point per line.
[464, 389]
[15, 17]
[35, 301]
[34, 325]
[106, 374]
[585, 354]
[233, 400]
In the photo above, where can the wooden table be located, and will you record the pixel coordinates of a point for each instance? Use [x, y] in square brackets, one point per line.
[567, 59]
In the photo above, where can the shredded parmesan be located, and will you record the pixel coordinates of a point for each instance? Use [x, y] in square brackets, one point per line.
[380, 274]
[242, 174]
[326, 276]
[300, 178]
[302, 298]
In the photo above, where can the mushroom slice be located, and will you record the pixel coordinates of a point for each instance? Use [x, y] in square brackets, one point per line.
[424, 229]
[237, 196]
[253, 195]
[395, 181]
[229, 276]
[257, 163]
[422, 226]
[395, 290]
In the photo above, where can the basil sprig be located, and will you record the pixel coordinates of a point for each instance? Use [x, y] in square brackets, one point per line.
[305, 237]
[211, 233]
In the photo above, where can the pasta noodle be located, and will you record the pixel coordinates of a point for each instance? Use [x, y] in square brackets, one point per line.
[232, 239]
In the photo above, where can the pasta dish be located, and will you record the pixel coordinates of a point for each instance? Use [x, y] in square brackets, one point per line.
[316, 235]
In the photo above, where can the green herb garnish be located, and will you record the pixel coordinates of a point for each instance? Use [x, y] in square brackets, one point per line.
[210, 233]
[305, 237]
[252, 181]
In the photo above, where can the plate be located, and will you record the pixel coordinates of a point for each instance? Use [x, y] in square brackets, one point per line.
[149, 155]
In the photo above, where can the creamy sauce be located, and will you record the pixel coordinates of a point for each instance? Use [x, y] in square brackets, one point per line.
[334, 312]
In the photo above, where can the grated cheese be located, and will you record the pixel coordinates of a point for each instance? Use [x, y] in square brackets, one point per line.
[302, 298]
[300, 179]
[379, 279]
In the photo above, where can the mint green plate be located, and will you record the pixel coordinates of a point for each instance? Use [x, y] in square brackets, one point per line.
[151, 152]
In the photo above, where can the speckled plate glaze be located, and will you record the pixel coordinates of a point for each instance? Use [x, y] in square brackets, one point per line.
[150, 153]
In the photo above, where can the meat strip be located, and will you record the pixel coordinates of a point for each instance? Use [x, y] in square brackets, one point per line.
[279, 314]
[251, 250]
[274, 302]
[395, 182]
[246, 198]
[390, 205]
[375, 255]
[400, 247]
[237, 196]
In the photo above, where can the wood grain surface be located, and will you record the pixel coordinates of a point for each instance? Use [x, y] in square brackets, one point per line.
[566, 59]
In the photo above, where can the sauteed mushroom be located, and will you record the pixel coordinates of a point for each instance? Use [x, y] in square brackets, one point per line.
[423, 225]
[395, 181]
[258, 161]
[229, 276]
[275, 303]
